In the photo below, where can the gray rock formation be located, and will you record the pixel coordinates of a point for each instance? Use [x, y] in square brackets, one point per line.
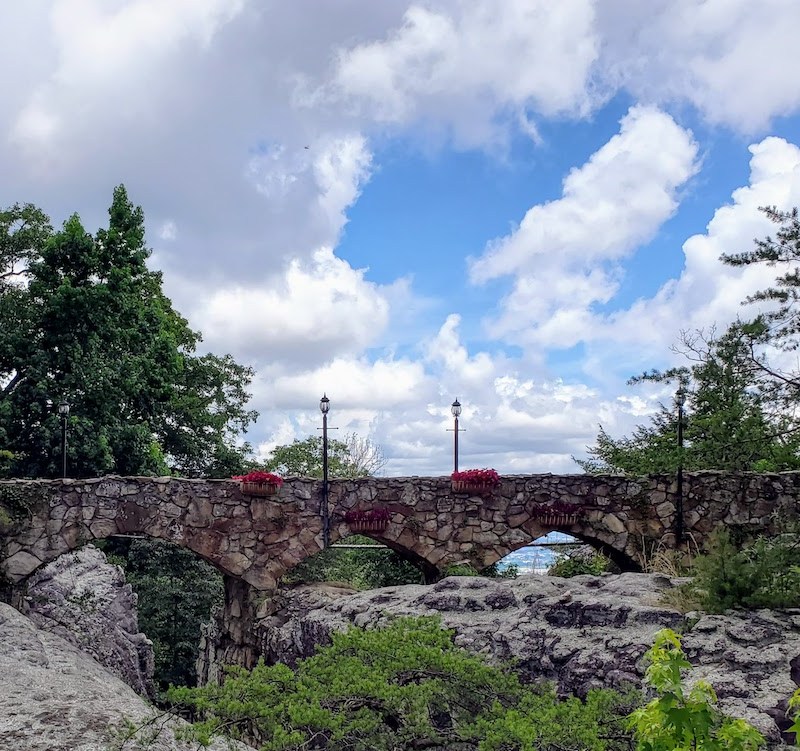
[84, 599]
[53, 697]
[581, 633]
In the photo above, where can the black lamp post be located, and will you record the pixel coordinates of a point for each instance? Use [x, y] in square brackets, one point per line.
[63, 412]
[680, 400]
[324, 407]
[455, 408]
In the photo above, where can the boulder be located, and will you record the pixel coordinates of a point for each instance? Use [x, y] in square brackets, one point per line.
[84, 599]
[581, 633]
[53, 697]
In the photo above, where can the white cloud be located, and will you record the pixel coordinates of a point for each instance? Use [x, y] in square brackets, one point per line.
[105, 55]
[317, 310]
[566, 254]
[462, 64]
[735, 60]
[707, 291]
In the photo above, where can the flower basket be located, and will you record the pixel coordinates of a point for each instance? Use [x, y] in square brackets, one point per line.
[259, 483]
[557, 514]
[262, 489]
[473, 488]
[369, 525]
[475, 481]
[556, 520]
[374, 520]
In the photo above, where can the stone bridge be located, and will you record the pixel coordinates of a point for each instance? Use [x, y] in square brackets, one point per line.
[258, 540]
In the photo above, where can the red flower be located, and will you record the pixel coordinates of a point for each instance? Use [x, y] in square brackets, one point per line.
[477, 476]
[260, 477]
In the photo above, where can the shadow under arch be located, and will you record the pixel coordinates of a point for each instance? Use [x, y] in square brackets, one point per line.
[177, 591]
[363, 560]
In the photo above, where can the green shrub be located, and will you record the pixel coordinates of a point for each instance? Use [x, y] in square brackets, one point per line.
[403, 686]
[794, 713]
[765, 574]
[679, 719]
[578, 561]
[361, 569]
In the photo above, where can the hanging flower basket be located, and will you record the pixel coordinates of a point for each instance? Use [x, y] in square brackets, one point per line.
[556, 520]
[374, 525]
[557, 514]
[475, 481]
[258, 483]
[374, 520]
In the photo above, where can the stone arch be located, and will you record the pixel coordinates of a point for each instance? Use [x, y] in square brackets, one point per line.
[602, 541]
[394, 542]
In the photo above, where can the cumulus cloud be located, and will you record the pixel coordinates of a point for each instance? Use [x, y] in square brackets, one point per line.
[105, 54]
[313, 312]
[461, 65]
[734, 60]
[707, 291]
[244, 130]
[565, 254]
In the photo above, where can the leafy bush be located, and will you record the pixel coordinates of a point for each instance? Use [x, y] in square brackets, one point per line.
[765, 574]
[402, 686]
[578, 561]
[680, 719]
[794, 712]
[361, 569]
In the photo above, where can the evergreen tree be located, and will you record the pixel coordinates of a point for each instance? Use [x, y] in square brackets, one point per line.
[729, 424]
[778, 326]
[86, 321]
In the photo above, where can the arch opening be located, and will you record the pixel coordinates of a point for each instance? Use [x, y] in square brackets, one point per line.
[580, 553]
[177, 590]
[362, 561]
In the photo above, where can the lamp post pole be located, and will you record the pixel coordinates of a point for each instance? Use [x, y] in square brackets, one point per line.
[324, 406]
[63, 411]
[455, 408]
[680, 400]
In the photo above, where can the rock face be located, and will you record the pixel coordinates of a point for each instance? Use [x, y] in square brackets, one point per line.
[581, 633]
[85, 600]
[55, 698]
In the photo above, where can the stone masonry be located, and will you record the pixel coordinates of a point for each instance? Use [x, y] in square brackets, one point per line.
[257, 540]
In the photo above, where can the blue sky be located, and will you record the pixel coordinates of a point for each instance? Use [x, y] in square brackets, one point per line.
[520, 204]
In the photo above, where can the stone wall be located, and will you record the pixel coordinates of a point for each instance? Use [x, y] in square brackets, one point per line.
[257, 540]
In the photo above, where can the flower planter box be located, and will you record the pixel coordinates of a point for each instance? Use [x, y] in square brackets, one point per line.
[262, 489]
[473, 488]
[556, 520]
[368, 525]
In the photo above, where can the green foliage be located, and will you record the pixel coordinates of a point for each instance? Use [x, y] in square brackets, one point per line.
[764, 574]
[176, 591]
[679, 719]
[6, 462]
[352, 457]
[361, 569]
[578, 561]
[780, 325]
[492, 572]
[729, 422]
[402, 686]
[85, 320]
[794, 711]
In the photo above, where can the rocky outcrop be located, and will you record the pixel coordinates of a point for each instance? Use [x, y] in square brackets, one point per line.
[84, 599]
[53, 697]
[581, 633]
